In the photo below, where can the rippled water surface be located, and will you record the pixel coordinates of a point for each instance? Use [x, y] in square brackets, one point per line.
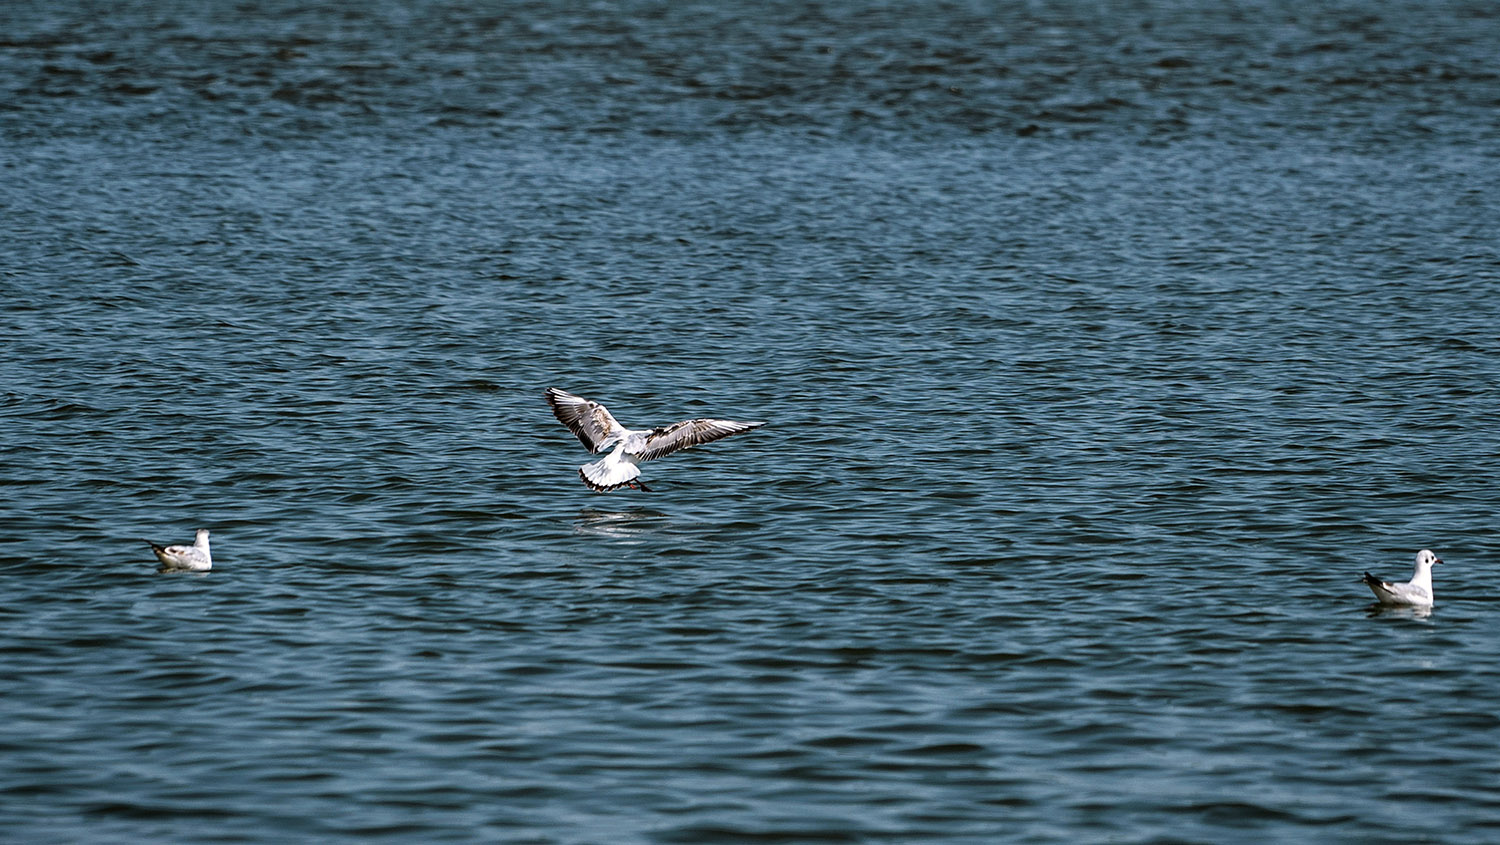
[1103, 346]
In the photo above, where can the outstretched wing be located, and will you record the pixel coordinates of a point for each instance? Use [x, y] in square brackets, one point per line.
[678, 436]
[589, 421]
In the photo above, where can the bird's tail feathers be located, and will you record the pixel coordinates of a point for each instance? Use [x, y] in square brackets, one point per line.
[608, 473]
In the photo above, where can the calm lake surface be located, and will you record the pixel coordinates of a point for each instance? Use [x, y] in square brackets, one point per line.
[1103, 345]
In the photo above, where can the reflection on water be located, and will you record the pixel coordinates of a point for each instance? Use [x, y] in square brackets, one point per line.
[629, 526]
[1391, 611]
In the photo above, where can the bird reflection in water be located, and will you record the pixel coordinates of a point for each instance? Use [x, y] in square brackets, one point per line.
[629, 525]
[1391, 611]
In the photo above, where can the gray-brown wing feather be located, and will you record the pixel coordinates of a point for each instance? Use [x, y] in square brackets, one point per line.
[589, 421]
[679, 436]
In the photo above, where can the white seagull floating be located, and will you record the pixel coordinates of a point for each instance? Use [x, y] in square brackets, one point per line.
[597, 429]
[1417, 592]
[194, 558]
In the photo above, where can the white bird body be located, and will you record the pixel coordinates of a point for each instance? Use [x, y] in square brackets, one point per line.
[599, 431]
[194, 558]
[1414, 593]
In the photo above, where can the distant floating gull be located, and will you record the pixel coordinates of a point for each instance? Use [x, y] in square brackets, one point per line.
[1416, 593]
[194, 558]
[597, 429]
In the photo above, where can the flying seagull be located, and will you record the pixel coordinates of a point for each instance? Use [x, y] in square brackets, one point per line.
[1416, 592]
[597, 429]
[194, 558]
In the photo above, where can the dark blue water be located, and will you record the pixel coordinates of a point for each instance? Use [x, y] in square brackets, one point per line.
[1103, 345]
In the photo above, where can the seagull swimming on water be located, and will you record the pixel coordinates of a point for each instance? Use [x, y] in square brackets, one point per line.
[597, 429]
[194, 558]
[1417, 592]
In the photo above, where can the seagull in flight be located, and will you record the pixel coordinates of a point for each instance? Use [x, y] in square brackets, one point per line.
[597, 429]
[1416, 592]
[194, 558]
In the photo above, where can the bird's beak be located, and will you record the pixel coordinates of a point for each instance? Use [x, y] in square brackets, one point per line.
[1436, 561]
